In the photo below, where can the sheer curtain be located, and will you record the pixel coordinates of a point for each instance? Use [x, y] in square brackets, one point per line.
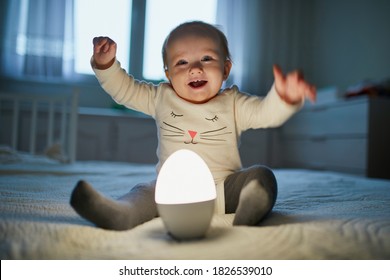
[262, 33]
[238, 20]
[38, 41]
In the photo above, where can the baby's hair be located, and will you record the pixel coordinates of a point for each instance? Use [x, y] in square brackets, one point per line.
[199, 28]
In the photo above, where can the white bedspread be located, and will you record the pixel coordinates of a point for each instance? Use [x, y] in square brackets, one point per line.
[318, 215]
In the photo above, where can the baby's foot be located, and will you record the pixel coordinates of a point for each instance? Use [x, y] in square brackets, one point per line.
[254, 204]
[83, 194]
[96, 208]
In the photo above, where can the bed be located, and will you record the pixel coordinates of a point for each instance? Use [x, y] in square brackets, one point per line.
[318, 215]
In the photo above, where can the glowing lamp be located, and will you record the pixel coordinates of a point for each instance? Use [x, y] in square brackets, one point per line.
[185, 195]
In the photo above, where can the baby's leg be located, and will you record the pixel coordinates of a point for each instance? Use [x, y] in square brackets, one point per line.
[132, 209]
[251, 194]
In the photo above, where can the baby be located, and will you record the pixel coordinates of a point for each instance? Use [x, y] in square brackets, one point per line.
[192, 112]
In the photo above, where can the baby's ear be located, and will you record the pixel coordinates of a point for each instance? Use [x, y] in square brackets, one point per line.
[227, 67]
[167, 75]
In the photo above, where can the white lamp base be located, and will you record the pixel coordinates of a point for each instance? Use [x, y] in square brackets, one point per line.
[187, 221]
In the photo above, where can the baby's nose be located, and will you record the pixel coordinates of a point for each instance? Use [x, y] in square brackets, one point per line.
[196, 69]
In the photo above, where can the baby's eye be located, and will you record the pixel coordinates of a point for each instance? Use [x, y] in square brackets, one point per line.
[181, 62]
[207, 58]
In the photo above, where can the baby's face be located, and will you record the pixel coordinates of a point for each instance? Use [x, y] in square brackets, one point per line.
[196, 67]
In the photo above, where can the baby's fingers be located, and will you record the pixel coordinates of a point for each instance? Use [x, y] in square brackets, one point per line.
[304, 90]
[280, 81]
[98, 40]
[102, 44]
[311, 93]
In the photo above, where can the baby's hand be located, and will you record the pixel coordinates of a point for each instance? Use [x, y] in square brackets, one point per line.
[104, 52]
[292, 88]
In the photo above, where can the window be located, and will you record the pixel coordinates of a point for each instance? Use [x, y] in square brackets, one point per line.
[52, 40]
[161, 18]
[96, 18]
[114, 20]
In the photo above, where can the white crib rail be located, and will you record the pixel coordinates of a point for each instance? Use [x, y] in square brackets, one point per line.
[51, 105]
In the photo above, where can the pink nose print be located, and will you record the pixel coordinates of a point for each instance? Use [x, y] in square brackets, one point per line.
[192, 133]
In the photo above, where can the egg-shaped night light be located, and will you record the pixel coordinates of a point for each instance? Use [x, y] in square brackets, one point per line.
[185, 195]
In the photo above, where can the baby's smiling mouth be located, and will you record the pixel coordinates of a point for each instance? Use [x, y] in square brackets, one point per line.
[197, 84]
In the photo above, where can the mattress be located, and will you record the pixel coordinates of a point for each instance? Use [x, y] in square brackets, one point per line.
[318, 215]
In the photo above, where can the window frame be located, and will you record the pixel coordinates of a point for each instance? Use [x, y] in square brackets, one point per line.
[137, 39]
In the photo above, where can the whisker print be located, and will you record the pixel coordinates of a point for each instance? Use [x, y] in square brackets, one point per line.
[214, 135]
[211, 131]
[173, 131]
[208, 135]
[173, 135]
[173, 126]
[212, 139]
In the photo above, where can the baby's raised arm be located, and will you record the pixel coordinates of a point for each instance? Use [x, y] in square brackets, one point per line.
[104, 52]
[293, 88]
